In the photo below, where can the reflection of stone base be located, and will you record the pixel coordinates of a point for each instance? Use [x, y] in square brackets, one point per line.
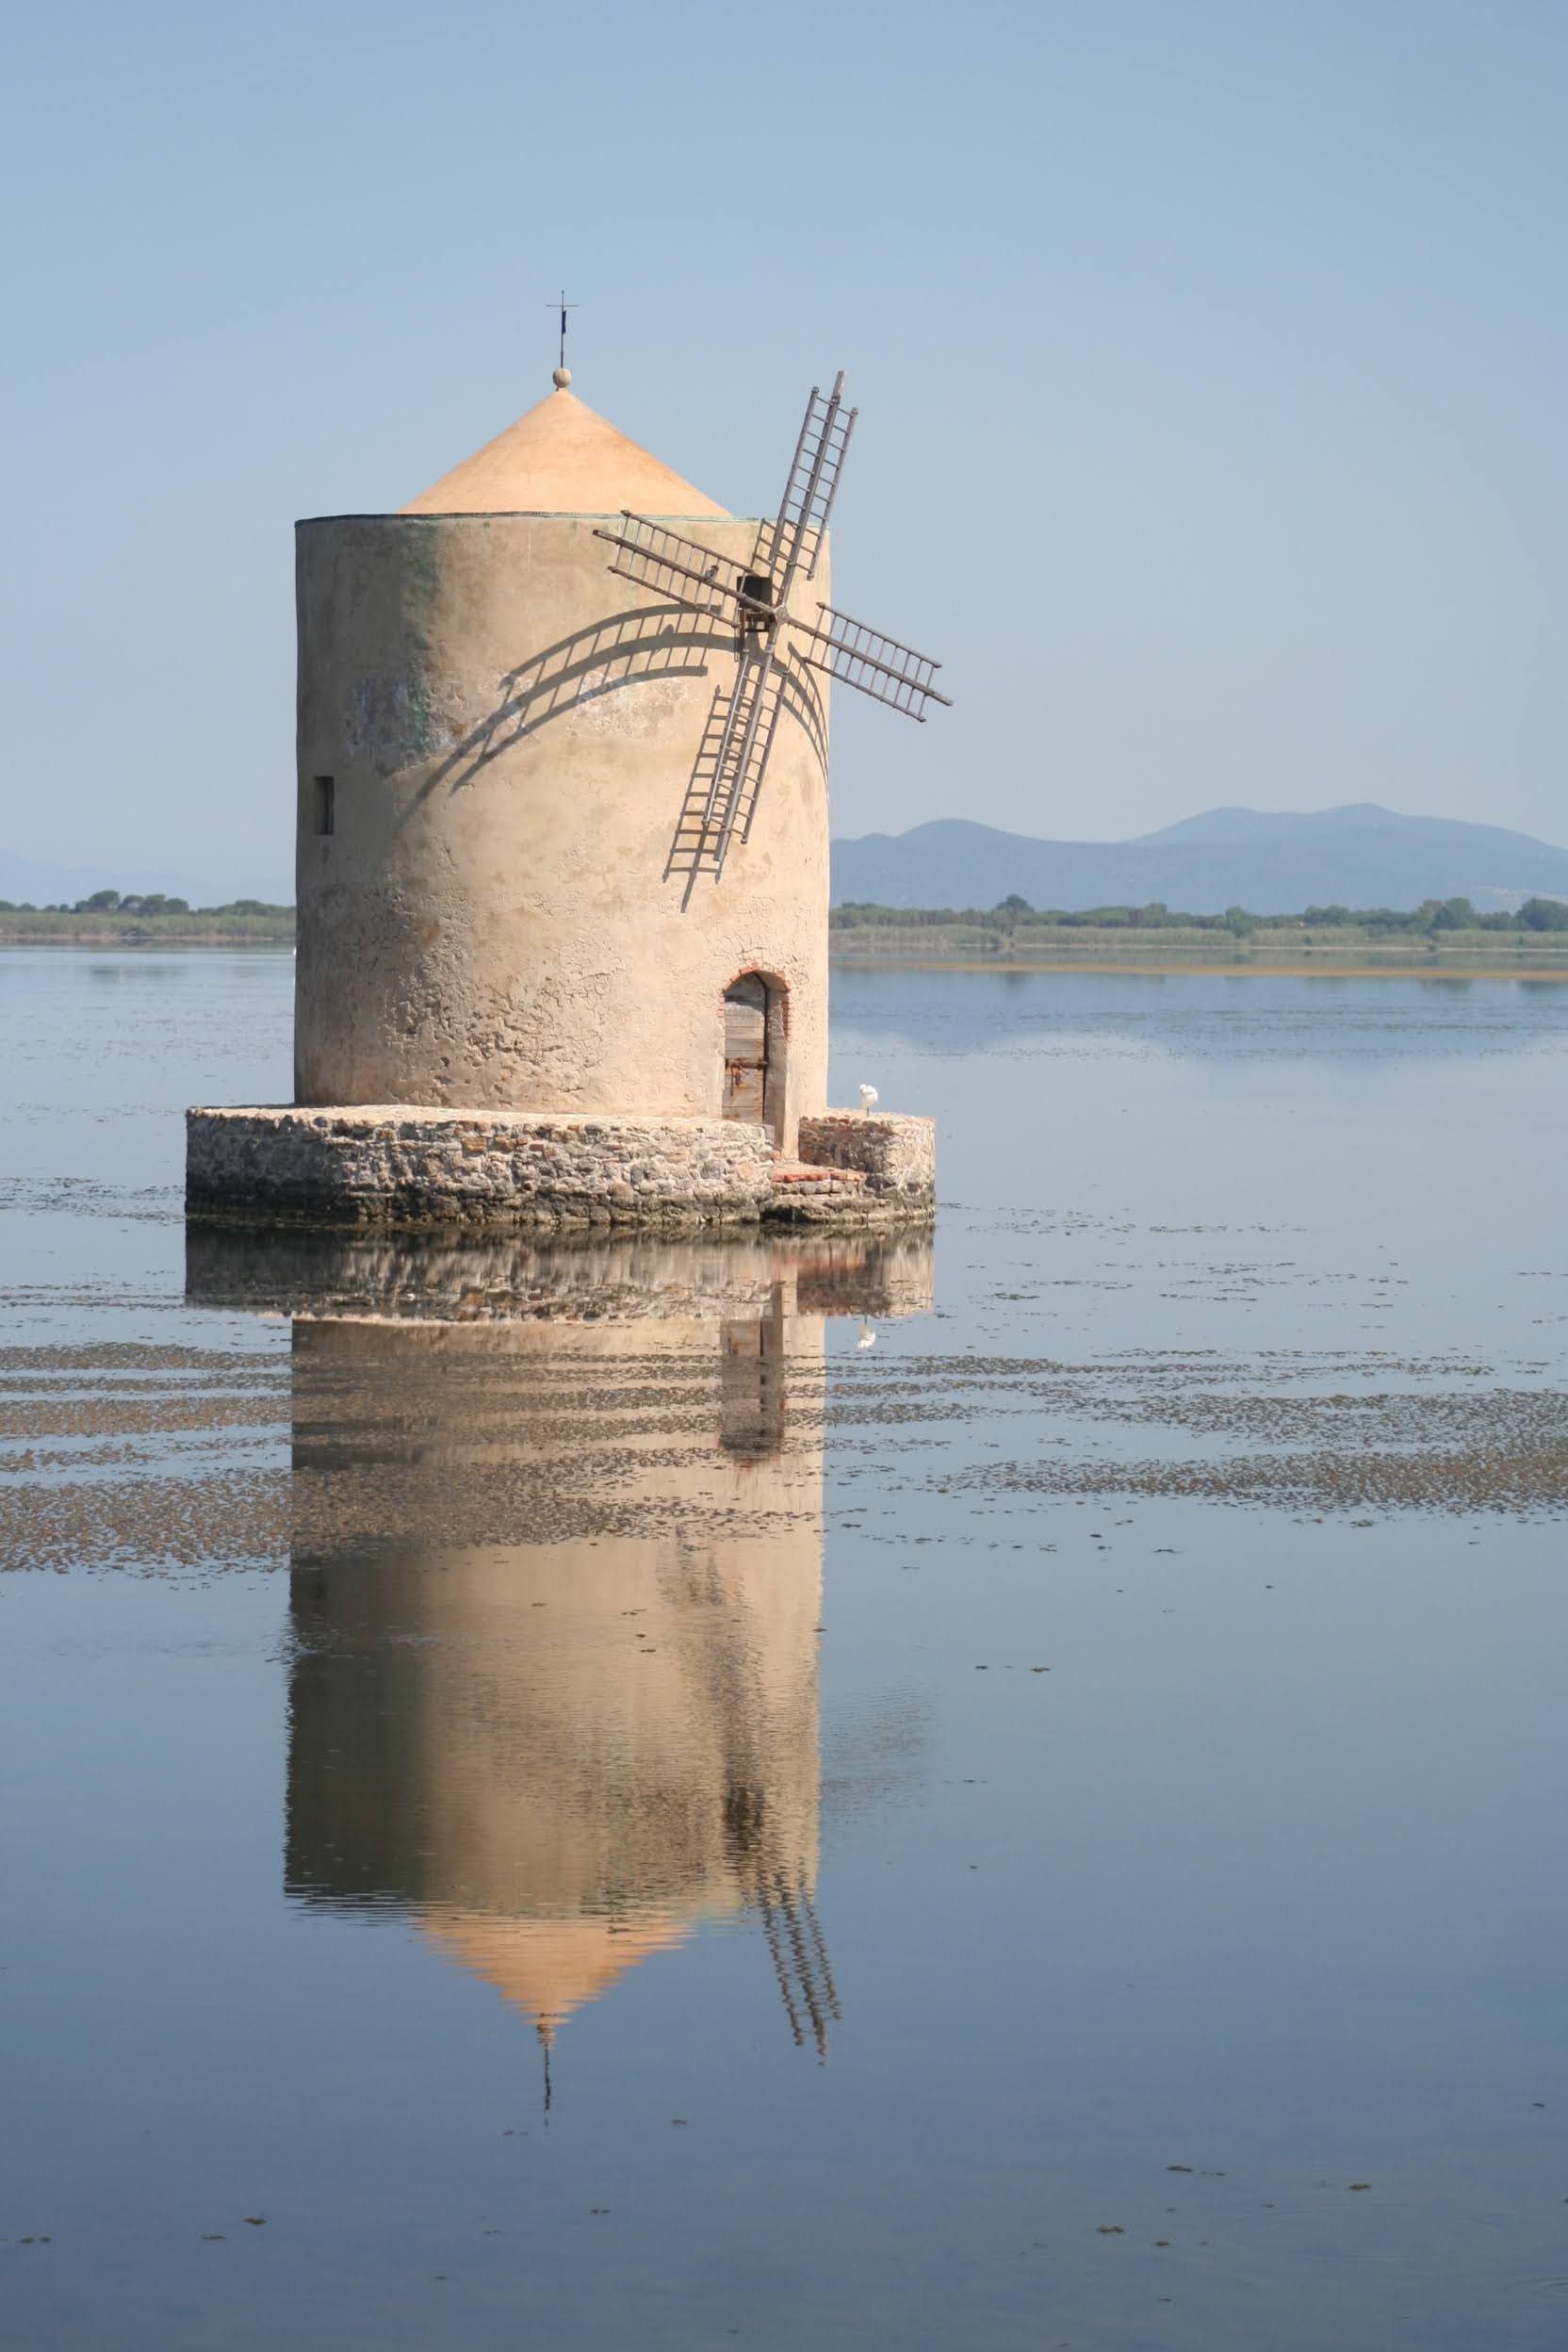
[399, 1165]
[437, 1277]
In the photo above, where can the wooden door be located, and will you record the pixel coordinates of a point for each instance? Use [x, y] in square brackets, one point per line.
[745, 1049]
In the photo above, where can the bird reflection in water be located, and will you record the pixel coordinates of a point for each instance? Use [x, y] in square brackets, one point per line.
[557, 1586]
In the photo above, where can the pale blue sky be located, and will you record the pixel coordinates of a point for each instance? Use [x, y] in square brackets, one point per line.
[1210, 359]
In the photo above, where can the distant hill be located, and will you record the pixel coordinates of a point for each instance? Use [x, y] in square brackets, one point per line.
[1359, 855]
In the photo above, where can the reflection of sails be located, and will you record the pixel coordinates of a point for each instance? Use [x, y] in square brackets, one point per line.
[556, 1603]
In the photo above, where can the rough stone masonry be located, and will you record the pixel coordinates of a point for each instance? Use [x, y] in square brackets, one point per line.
[396, 1165]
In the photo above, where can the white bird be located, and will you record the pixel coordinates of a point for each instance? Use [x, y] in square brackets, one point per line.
[869, 1098]
[865, 1337]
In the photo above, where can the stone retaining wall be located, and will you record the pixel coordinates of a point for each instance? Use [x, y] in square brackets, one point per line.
[405, 1166]
[897, 1156]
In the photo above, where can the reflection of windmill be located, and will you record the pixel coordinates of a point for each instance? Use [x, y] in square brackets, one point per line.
[555, 1798]
[774, 1887]
[755, 601]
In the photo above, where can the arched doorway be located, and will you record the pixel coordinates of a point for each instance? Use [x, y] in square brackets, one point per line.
[754, 1051]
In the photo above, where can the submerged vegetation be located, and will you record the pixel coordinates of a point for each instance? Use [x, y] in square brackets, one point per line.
[1014, 931]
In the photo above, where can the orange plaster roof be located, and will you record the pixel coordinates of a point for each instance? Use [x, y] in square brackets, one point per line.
[561, 458]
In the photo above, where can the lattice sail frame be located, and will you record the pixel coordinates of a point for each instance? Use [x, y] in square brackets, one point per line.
[754, 600]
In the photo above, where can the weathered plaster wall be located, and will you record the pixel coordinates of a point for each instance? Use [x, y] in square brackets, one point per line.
[511, 731]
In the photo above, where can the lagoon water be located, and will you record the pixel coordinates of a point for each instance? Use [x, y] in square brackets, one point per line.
[742, 1794]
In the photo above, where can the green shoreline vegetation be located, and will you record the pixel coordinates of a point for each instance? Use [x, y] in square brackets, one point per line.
[1442, 933]
[110, 918]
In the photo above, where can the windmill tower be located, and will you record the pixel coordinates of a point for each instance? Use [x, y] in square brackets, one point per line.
[523, 784]
[562, 850]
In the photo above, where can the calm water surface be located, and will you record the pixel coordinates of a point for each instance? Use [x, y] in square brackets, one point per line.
[801, 1796]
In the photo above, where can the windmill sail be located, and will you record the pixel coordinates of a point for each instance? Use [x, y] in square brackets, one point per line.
[678, 568]
[860, 656]
[727, 777]
[754, 600]
[794, 538]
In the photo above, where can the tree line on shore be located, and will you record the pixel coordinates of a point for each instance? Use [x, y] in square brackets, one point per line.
[1013, 914]
[141, 903]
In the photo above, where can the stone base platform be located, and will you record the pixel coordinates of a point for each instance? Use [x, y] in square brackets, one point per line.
[404, 1166]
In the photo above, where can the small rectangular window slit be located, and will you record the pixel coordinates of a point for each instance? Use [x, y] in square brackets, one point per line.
[326, 795]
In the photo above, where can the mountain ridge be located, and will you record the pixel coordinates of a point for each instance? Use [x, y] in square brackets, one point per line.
[1272, 862]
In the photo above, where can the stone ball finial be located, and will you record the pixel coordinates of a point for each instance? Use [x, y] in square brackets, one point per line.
[561, 378]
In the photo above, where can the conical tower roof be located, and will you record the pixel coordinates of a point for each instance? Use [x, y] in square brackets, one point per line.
[561, 458]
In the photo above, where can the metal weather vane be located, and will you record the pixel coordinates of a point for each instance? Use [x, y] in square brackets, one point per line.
[562, 305]
[755, 599]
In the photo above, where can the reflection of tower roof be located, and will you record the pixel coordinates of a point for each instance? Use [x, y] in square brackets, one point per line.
[551, 1966]
[561, 458]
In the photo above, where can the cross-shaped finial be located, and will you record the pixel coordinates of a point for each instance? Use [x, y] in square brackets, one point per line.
[564, 306]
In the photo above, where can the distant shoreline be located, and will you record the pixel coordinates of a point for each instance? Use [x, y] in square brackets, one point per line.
[1476, 955]
[22, 928]
[1482, 955]
[1363, 947]
[1330, 964]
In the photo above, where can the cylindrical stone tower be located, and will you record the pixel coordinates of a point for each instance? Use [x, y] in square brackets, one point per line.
[497, 739]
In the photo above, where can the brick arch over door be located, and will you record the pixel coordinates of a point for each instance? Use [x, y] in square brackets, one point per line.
[756, 1041]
